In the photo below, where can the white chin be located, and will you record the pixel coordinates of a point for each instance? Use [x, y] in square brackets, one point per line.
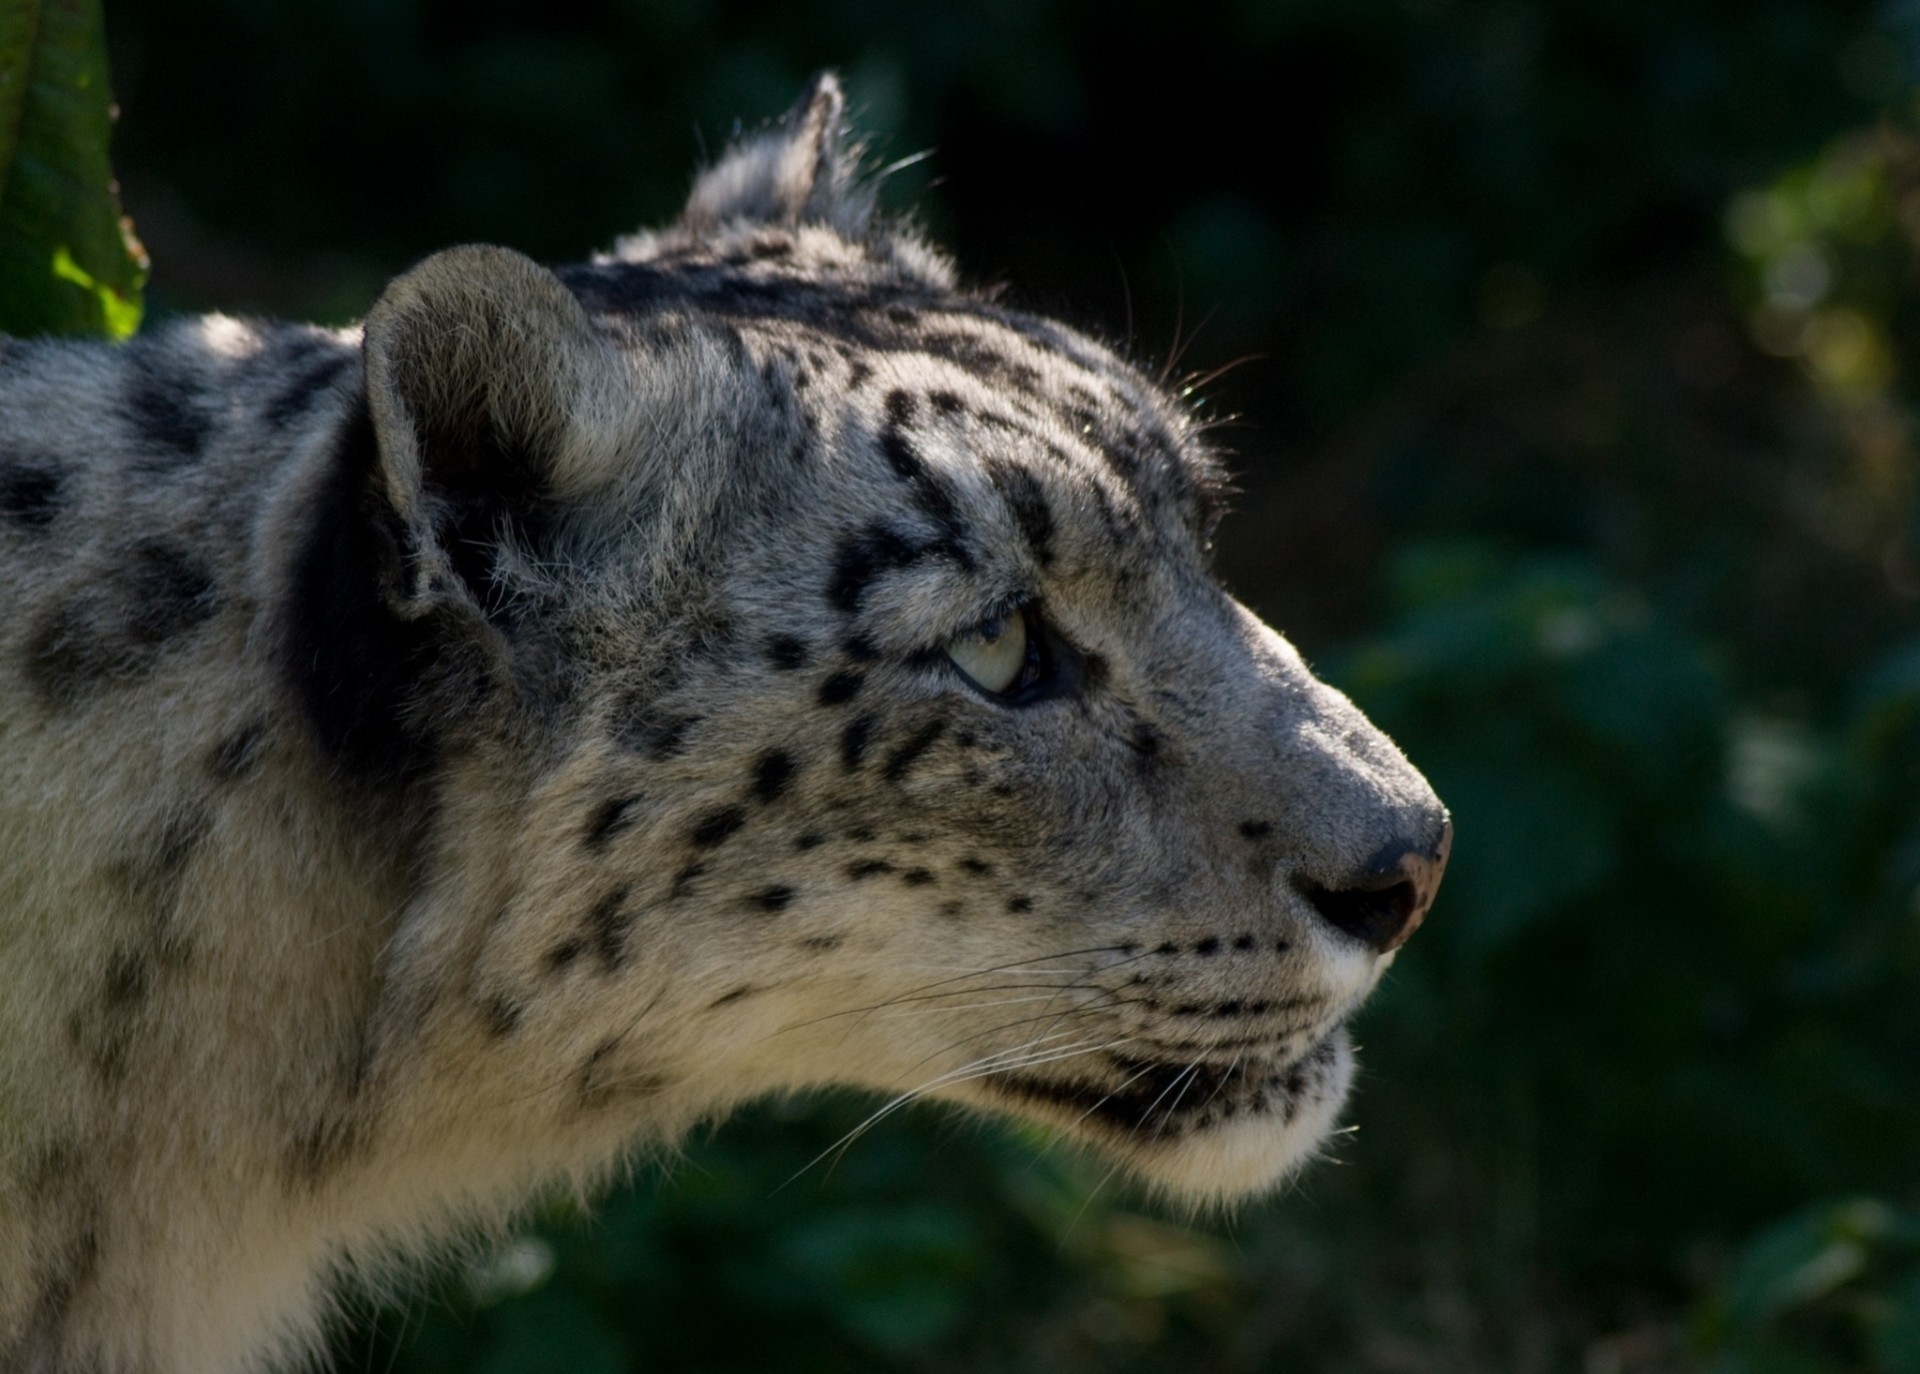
[1244, 1137]
[1251, 1152]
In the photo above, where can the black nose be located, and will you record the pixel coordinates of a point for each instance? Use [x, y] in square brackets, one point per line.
[1385, 904]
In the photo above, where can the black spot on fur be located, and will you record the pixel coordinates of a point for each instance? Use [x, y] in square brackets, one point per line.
[1019, 904]
[66, 658]
[919, 877]
[861, 649]
[1144, 741]
[150, 879]
[841, 688]
[786, 653]
[50, 1168]
[168, 417]
[930, 493]
[115, 635]
[129, 981]
[820, 944]
[314, 377]
[1208, 946]
[977, 867]
[947, 403]
[863, 557]
[563, 955]
[979, 357]
[736, 995]
[778, 897]
[1025, 497]
[868, 868]
[172, 590]
[657, 735]
[236, 756]
[30, 495]
[772, 774]
[181, 835]
[716, 827]
[606, 928]
[860, 834]
[501, 1015]
[901, 761]
[609, 819]
[811, 839]
[853, 742]
[683, 880]
[1244, 943]
[1256, 830]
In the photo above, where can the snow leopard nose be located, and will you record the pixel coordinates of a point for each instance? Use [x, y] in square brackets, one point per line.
[1383, 904]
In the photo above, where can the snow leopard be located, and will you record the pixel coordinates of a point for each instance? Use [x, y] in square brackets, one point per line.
[446, 756]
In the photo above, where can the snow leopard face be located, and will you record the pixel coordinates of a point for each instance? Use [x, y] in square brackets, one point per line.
[898, 733]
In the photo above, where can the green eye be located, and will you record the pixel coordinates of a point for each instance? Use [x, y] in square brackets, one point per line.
[992, 653]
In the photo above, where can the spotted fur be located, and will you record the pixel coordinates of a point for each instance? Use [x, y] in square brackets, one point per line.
[444, 756]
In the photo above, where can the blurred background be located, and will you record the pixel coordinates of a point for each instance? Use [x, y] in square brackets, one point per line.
[1571, 354]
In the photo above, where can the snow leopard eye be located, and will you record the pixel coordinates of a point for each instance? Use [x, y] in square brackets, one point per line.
[995, 653]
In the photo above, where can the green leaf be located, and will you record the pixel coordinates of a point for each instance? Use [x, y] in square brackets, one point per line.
[1809, 1255]
[68, 264]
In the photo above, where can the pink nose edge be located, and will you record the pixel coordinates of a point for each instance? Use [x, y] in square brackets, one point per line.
[1423, 873]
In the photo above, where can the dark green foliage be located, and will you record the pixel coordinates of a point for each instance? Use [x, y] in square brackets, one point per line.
[1576, 391]
[67, 264]
[1834, 1288]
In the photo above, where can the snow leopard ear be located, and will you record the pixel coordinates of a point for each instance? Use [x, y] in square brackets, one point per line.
[805, 169]
[493, 399]
[492, 409]
[484, 371]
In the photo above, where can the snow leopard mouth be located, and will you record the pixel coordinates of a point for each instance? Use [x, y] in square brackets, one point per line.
[1159, 1100]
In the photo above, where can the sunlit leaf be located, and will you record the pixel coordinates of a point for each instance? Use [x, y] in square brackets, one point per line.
[68, 263]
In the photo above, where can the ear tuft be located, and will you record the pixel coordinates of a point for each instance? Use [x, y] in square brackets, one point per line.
[805, 169]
